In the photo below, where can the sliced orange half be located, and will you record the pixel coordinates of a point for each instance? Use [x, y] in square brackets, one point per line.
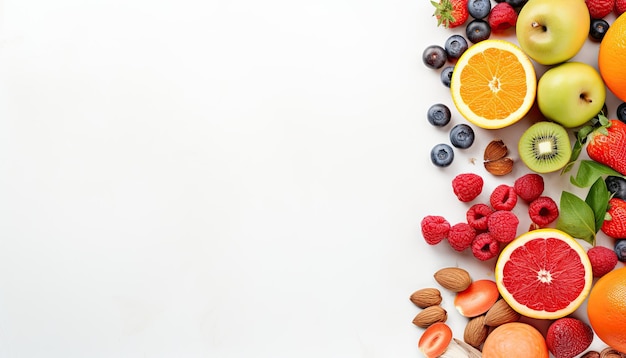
[544, 274]
[493, 84]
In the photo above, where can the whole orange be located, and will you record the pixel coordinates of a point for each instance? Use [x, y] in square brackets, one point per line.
[515, 340]
[606, 308]
[612, 56]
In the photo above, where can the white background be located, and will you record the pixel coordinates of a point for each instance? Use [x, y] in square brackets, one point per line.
[222, 178]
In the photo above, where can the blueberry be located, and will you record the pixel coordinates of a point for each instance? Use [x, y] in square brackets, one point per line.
[477, 30]
[597, 29]
[616, 186]
[446, 75]
[455, 46]
[620, 249]
[434, 56]
[439, 115]
[621, 112]
[479, 9]
[462, 136]
[442, 155]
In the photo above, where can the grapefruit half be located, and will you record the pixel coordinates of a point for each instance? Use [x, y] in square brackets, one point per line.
[544, 274]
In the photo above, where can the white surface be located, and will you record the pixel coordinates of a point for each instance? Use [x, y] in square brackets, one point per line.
[219, 179]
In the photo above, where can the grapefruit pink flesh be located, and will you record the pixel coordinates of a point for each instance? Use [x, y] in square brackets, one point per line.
[544, 274]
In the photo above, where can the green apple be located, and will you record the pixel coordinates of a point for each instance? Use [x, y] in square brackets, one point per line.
[571, 93]
[552, 31]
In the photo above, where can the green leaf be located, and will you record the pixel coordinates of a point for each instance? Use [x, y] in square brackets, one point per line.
[581, 138]
[583, 133]
[576, 149]
[589, 171]
[604, 121]
[598, 200]
[576, 218]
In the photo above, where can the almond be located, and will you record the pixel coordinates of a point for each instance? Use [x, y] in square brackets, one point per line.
[500, 313]
[611, 353]
[453, 278]
[426, 297]
[496, 149]
[430, 315]
[475, 331]
[500, 167]
[591, 354]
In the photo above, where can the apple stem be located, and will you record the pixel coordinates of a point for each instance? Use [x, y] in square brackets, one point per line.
[584, 97]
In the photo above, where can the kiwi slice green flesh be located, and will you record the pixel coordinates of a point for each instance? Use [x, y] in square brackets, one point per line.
[545, 147]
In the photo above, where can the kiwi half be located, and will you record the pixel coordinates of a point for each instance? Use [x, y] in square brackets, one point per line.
[545, 147]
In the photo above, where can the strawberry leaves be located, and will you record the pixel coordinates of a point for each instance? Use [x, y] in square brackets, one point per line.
[450, 13]
[443, 12]
[598, 124]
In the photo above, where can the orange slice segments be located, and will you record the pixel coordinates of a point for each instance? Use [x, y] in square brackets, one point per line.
[493, 84]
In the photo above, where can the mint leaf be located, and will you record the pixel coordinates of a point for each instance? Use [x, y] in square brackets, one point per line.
[598, 200]
[576, 218]
[589, 171]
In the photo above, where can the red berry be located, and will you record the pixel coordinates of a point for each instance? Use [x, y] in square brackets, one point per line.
[568, 337]
[502, 17]
[598, 9]
[451, 13]
[543, 211]
[502, 225]
[477, 216]
[434, 229]
[461, 236]
[615, 224]
[529, 187]
[620, 7]
[503, 197]
[467, 186]
[485, 247]
[603, 260]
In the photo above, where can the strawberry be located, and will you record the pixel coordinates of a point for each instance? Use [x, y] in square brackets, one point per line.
[615, 222]
[598, 9]
[568, 337]
[620, 7]
[450, 13]
[607, 145]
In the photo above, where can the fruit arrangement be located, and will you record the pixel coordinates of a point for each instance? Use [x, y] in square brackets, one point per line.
[547, 218]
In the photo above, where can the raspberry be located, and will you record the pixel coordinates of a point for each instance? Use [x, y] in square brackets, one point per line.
[477, 216]
[529, 187]
[485, 247]
[467, 186]
[503, 196]
[620, 7]
[502, 17]
[502, 225]
[598, 9]
[461, 236]
[603, 260]
[543, 211]
[435, 229]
